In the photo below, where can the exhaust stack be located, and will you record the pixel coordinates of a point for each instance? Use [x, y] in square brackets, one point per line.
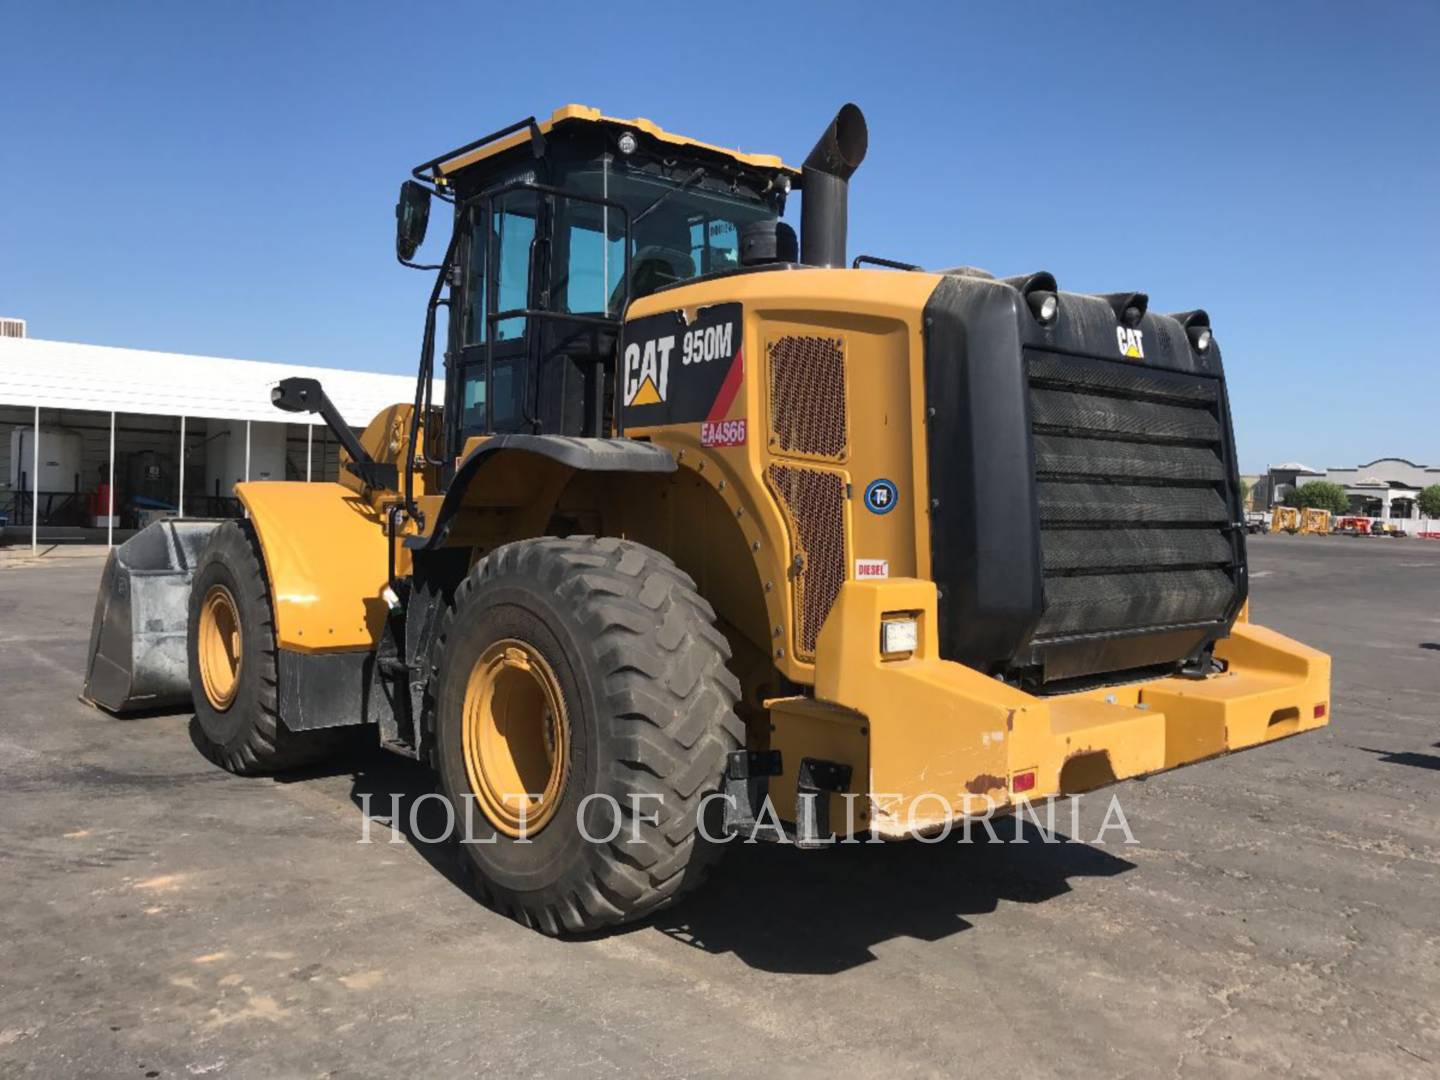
[825, 187]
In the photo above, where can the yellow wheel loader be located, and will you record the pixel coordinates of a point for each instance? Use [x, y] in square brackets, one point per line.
[702, 541]
[1285, 519]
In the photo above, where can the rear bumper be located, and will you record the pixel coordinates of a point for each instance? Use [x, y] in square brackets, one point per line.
[941, 741]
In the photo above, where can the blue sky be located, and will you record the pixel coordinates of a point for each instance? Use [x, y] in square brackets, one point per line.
[220, 179]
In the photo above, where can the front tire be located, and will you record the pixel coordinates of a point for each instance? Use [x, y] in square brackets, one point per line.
[232, 661]
[587, 673]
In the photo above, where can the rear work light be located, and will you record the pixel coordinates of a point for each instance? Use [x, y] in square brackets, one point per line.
[899, 637]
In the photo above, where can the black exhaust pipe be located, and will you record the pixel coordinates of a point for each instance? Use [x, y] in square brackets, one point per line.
[825, 186]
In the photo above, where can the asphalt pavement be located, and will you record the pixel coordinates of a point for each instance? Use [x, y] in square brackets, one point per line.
[1279, 911]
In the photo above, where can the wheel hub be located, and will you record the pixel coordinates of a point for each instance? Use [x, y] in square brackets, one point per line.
[220, 647]
[516, 737]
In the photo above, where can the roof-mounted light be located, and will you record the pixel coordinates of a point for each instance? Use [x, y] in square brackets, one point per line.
[1044, 306]
[627, 143]
[1197, 329]
[1041, 294]
[1129, 307]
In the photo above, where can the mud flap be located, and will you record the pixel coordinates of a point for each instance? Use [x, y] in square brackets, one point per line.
[138, 637]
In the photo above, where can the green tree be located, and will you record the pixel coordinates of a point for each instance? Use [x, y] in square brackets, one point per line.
[1429, 502]
[1245, 494]
[1321, 495]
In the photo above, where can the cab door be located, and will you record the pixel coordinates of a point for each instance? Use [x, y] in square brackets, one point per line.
[501, 240]
[533, 335]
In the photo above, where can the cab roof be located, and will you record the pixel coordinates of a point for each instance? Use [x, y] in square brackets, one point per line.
[456, 160]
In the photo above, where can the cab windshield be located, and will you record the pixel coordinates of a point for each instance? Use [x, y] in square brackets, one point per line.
[681, 227]
[536, 256]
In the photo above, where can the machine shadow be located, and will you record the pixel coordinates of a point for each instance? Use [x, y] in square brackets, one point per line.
[773, 907]
[812, 913]
[385, 788]
[391, 792]
[1405, 757]
[131, 715]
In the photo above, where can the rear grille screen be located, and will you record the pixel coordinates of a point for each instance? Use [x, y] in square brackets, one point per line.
[1132, 489]
[814, 502]
[807, 396]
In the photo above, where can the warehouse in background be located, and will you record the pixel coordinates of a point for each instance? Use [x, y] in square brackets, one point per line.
[96, 442]
[1387, 489]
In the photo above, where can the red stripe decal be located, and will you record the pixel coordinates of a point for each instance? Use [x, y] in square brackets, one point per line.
[729, 388]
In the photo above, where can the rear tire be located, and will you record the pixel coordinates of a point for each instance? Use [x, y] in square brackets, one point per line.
[232, 662]
[637, 708]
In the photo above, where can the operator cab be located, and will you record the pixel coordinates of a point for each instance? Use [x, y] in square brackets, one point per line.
[559, 225]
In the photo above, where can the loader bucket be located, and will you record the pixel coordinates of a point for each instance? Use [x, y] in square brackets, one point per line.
[137, 640]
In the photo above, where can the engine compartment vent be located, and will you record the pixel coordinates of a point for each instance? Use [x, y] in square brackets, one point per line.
[814, 504]
[807, 396]
[1133, 493]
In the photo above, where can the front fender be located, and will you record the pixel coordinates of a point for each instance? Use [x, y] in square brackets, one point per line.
[325, 554]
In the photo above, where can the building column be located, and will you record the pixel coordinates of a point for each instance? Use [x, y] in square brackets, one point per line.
[110, 510]
[181, 501]
[247, 450]
[35, 486]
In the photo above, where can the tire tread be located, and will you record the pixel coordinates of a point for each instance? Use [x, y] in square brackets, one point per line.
[668, 700]
[265, 745]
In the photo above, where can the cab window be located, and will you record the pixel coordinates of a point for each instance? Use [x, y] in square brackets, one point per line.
[508, 233]
[593, 258]
[514, 220]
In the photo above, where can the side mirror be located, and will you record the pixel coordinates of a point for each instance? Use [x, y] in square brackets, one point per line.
[412, 215]
[297, 395]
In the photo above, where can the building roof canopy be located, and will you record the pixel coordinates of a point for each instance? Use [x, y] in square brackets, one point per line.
[65, 375]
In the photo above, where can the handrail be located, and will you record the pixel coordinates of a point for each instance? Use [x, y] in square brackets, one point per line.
[537, 144]
[876, 260]
[425, 376]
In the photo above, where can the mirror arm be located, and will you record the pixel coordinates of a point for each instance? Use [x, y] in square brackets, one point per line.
[298, 394]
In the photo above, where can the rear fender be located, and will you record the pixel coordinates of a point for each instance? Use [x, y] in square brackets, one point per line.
[553, 459]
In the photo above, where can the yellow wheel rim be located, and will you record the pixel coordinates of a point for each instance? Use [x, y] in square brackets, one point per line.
[516, 737]
[220, 647]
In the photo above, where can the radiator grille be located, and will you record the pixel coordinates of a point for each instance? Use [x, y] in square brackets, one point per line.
[807, 396]
[814, 503]
[1132, 489]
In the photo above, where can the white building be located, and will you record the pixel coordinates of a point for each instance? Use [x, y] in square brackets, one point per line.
[84, 428]
[1385, 488]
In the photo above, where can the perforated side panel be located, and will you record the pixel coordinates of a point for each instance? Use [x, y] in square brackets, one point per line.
[807, 396]
[814, 501]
